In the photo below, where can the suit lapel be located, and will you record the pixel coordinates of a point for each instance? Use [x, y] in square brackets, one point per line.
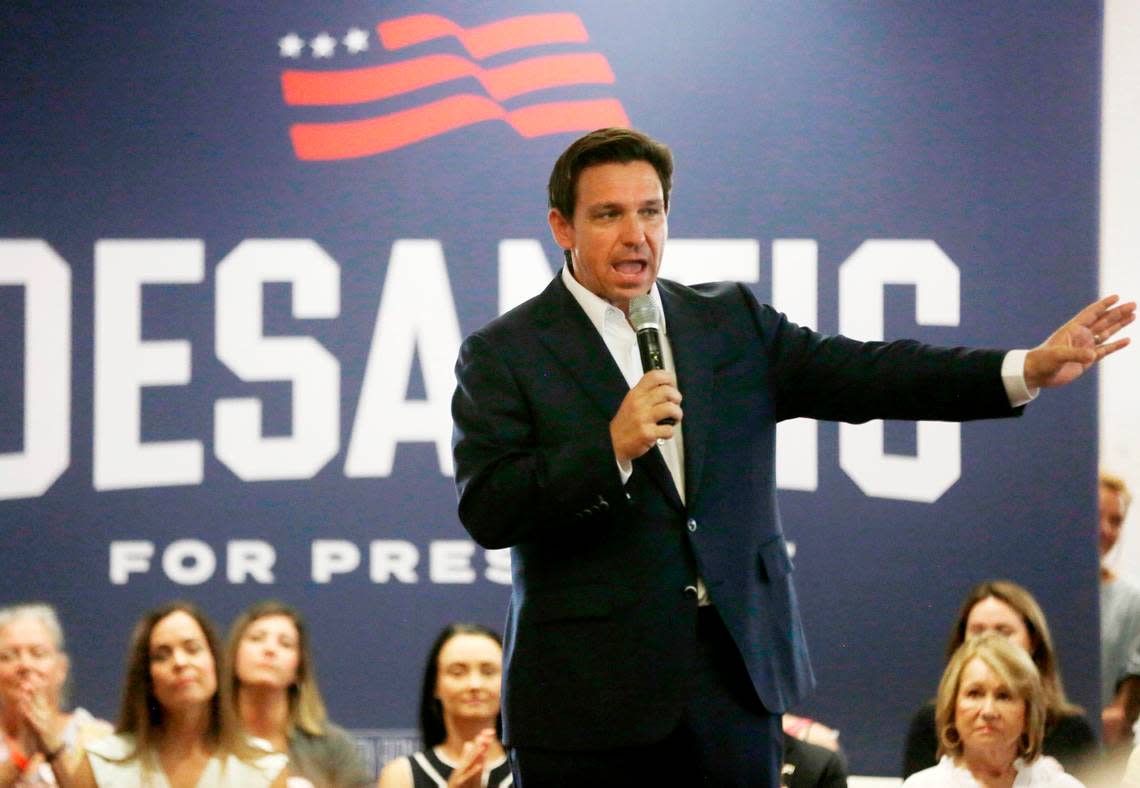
[689, 328]
[570, 337]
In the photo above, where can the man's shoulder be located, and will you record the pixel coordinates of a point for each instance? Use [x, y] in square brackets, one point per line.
[703, 291]
[536, 310]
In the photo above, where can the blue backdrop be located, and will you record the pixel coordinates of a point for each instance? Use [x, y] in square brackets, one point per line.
[238, 249]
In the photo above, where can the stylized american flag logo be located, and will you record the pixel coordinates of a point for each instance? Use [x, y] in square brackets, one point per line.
[387, 130]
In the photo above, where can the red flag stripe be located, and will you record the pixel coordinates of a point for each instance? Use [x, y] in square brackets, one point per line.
[485, 40]
[356, 86]
[537, 73]
[358, 138]
[359, 85]
[556, 117]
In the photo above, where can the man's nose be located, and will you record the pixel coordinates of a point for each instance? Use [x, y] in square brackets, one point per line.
[632, 231]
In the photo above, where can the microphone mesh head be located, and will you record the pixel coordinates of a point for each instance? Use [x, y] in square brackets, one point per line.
[643, 313]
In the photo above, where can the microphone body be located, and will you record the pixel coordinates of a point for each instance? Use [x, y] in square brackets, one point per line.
[646, 322]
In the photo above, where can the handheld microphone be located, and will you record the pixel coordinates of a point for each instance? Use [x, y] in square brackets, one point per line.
[647, 323]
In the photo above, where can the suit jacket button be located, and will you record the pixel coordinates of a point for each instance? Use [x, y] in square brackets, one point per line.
[692, 525]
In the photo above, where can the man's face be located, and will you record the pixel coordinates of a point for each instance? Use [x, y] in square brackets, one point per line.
[617, 233]
[1111, 518]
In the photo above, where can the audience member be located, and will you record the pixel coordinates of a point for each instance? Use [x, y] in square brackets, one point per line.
[459, 716]
[1008, 609]
[808, 765]
[1119, 617]
[1131, 777]
[271, 679]
[811, 731]
[42, 744]
[990, 717]
[174, 730]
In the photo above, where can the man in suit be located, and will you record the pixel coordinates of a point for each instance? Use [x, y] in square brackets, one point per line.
[653, 634]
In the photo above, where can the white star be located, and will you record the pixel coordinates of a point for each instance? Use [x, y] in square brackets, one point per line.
[323, 45]
[291, 45]
[356, 41]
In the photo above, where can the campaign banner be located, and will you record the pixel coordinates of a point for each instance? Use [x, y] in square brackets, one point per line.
[240, 247]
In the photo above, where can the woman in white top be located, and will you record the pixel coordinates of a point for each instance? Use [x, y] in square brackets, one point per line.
[40, 740]
[174, 730]
[990, 714]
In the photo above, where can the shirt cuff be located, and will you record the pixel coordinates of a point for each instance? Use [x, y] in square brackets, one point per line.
[625, 470]
[1013, 377]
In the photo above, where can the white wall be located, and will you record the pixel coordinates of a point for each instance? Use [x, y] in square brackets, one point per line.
[1120, 257]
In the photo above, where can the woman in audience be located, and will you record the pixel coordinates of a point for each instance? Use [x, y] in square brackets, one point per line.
[174, 730]
[1005, 607]
[42, 744]
[459, 716]
[272, 682]
[990, 715]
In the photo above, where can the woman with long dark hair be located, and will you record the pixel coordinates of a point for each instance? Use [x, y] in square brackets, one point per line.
[174, 730]
[459, 716]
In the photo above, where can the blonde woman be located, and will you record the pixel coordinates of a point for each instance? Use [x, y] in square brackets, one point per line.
[990, 714]
[272, 682]
[1008, 609]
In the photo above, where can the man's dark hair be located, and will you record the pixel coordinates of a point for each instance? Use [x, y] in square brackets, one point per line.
[605, 146]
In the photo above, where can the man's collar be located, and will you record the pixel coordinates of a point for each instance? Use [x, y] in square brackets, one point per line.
[597, 308]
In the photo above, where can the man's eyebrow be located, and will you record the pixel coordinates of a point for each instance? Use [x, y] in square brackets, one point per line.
[603, 206]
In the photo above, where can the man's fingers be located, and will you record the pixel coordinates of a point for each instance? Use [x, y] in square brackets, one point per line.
[1112, 347]
[1093, 311]
[657, 377]
[667, 410]
[1103, 314]
[1112, 322]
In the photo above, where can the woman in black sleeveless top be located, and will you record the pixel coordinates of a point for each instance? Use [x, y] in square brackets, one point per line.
[459, 716]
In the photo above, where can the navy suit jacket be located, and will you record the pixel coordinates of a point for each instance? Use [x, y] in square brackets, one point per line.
[600, 632]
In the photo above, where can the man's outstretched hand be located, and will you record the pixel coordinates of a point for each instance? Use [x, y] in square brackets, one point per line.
[1080, 343]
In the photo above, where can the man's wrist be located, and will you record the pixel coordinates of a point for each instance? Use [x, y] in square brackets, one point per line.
[1013, 378]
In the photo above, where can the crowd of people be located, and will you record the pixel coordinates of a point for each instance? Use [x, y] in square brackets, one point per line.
[248, 712]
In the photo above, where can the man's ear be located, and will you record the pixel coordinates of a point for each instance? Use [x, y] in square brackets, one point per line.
[561, 228]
